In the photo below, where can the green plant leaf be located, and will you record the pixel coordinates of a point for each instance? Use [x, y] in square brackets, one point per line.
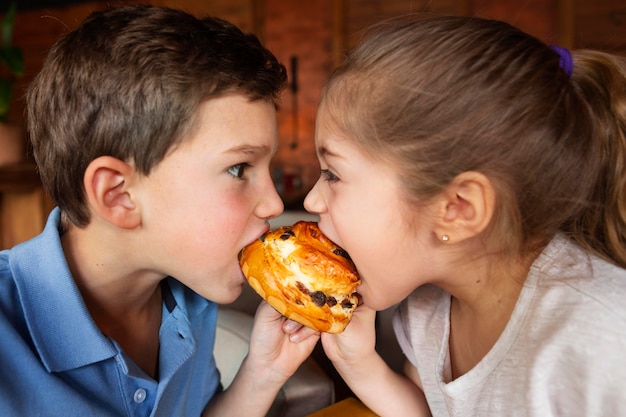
[13, 57]
[5, 97]
[7, 25]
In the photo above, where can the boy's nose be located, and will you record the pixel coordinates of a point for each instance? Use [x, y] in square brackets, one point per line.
[271, 204]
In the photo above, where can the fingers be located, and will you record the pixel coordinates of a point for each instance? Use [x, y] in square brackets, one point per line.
[365, 313]
[297, 332]
[290, 326]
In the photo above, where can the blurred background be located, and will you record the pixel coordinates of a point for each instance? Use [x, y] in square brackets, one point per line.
[309, 37]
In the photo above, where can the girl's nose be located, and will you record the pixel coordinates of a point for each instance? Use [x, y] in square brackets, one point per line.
[313, 202]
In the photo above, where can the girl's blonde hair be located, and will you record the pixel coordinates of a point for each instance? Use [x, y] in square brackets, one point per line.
[441, 96]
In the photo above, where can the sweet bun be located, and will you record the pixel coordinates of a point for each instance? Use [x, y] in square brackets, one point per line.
[303, 275]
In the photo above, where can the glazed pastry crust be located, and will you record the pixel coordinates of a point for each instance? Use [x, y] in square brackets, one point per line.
[303, 275]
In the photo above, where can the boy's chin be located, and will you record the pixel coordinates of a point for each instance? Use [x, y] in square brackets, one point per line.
[226, 296]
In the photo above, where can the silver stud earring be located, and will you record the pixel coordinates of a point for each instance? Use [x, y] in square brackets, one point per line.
[445, 238]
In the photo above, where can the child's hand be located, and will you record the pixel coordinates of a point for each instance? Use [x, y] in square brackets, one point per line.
[356, 341]
[279, 344]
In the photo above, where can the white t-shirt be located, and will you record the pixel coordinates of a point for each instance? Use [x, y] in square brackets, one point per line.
[562, 353]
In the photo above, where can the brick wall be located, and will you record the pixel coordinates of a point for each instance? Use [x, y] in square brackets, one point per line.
[316, 33]
[300, 33]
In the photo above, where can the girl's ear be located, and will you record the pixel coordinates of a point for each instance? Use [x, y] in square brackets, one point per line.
[465, 208]
[106, 182]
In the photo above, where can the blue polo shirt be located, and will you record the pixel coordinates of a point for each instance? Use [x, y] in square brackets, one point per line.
[54, 361]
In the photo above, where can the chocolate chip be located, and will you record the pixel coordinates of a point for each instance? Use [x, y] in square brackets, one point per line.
[331, 301]
[341, 252]
[287, 233]
[318, 298]
[302, 288]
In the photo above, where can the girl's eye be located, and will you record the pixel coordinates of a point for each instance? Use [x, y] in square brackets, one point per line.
[238, 170]
[329, 176]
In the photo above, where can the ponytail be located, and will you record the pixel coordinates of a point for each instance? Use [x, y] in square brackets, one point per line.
[600, 80]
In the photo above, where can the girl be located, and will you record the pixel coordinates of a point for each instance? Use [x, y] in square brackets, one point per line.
[477, 175]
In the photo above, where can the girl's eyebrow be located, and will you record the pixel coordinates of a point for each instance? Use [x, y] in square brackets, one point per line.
[323, 152]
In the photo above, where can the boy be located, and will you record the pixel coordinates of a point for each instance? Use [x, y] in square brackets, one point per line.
[153, 132]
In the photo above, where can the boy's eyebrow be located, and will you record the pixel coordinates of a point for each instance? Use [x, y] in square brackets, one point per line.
[250, 149]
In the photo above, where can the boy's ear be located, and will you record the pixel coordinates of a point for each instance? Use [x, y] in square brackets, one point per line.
[465, 208]
[106, 185]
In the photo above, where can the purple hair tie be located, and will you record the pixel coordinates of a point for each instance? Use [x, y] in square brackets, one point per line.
[566, 62]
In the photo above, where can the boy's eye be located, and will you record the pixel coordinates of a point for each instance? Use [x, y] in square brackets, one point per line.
[329, 176]
[238, 170]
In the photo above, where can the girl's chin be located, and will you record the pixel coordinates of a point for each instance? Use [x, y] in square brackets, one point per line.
[375, 303]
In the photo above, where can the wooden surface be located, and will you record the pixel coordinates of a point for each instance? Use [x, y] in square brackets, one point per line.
[350, 407]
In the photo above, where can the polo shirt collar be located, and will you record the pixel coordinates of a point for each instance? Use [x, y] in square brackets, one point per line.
[63, 331]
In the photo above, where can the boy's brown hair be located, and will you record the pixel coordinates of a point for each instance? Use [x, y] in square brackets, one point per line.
[127, 83]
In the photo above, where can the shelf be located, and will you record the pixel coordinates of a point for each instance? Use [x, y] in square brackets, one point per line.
[21, 177]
